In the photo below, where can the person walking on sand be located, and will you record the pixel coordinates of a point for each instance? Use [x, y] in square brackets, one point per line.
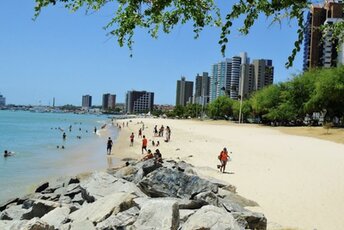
[132, 139]
[109, 146]
[64, 136]
[223, 157]
[144, 144]
[140, 132]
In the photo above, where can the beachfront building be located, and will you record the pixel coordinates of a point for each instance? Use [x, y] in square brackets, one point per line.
[263, 73]
[237, 76]
[320, 49]
[184, 92]
[220, 79]
[86, 101]
[139, 101]
[2, 100]
[109, 101]
[202, 89]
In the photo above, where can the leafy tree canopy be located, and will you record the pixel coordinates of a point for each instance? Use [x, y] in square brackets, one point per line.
[164, 15]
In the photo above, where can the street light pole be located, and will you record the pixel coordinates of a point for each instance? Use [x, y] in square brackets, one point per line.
[241, 97]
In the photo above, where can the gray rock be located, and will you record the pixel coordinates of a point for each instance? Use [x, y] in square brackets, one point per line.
[14, 212]
[208, 197]
[12, 224]
[212, 218]
[73, 180]
[242, 201]
[166, 182]
[56, 217]
[184, 214]
[40, 208]
[120, 220]
[4, 205]
[72, 190]
[37, 224]
[82, 225]
[158, 214]
[65, 200]
[251, 220]
[51, 196]
[126, 171]
[42, 187]
[104, 207]
[78, 199]
[101, 184]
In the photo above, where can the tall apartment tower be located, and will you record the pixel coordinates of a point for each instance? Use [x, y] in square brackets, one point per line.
[109, 101]
[86, 101]
[220, 81]
[235, 76]
[202, 87]
[319, 50]
[2, 100]
[263, 73]
[139, 101]
[184, 92]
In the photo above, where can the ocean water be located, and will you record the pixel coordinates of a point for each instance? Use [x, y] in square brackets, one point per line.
[34, 137]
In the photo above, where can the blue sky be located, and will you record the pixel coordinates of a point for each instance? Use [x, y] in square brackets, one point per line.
[66, 55]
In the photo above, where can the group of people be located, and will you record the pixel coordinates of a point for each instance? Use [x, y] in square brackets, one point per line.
[157, 156]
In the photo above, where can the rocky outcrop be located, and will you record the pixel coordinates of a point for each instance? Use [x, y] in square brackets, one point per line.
[143, 195]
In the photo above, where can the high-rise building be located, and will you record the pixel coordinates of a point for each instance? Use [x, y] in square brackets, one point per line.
[86, 101]
[263, 73]
[235, 76]
[184, 92]
[320, 50]
[2, 100]
[202, 87]
[220, 81]
[109, 101]
[246, 82]
[139, 102]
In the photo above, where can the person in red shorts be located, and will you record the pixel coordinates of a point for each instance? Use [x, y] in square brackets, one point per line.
[223, 157]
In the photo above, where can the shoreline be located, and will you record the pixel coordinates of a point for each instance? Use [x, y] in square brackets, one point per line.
[296, 180]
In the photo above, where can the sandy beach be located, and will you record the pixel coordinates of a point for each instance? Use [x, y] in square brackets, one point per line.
[298, 181]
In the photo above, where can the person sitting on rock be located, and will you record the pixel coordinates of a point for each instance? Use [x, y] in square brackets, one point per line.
[157, 156]
[148, 156]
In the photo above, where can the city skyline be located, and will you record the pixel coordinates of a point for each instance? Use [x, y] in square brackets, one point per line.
[66, 55]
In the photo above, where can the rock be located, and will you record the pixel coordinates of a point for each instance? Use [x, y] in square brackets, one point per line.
[120, 220]
[28, 203]
[158, 214]
[12, 224]
[104, 207]
[251, 220]
[14, 212]
[86, 196]
[41, 187]
[56, 217]
[242, 201]
[184, 214]
[82, 225]
[212, 218]
[125, 171]
[72, 190]
[65, 200]
[4, 205]
[101, 184]
[166, 182]
[149, 166]
[208, 197]
[51, 196]
[73, 180]
[40, 208]
[78, 199]
[191, 204]
[37, 224]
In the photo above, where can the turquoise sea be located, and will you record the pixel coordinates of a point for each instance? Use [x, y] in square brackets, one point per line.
[34, 137]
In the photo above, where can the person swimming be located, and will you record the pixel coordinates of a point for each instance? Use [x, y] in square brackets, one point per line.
[7, 153]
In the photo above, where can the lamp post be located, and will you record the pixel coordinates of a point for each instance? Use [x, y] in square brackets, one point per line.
[241, 97]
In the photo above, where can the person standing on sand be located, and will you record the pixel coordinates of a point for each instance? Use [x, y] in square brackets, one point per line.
[109, 146]
[140, 133]
[144, 143]
[64, 136]
[223, 157]
[132, 139]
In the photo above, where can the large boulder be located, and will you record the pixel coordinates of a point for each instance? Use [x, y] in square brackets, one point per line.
[82, 225]
[101, 184]
[120, 220]
[208, 197]
[14, 212]
[40, 208]
[42, 187]
[102, 208]
[4, 205]
[12, 224]
[165, 182]
[158, 214]
[251, 220]
[212, 218]
[56, 217]
[37, 224]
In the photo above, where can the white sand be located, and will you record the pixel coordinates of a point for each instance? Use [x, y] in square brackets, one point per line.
[297, 181]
